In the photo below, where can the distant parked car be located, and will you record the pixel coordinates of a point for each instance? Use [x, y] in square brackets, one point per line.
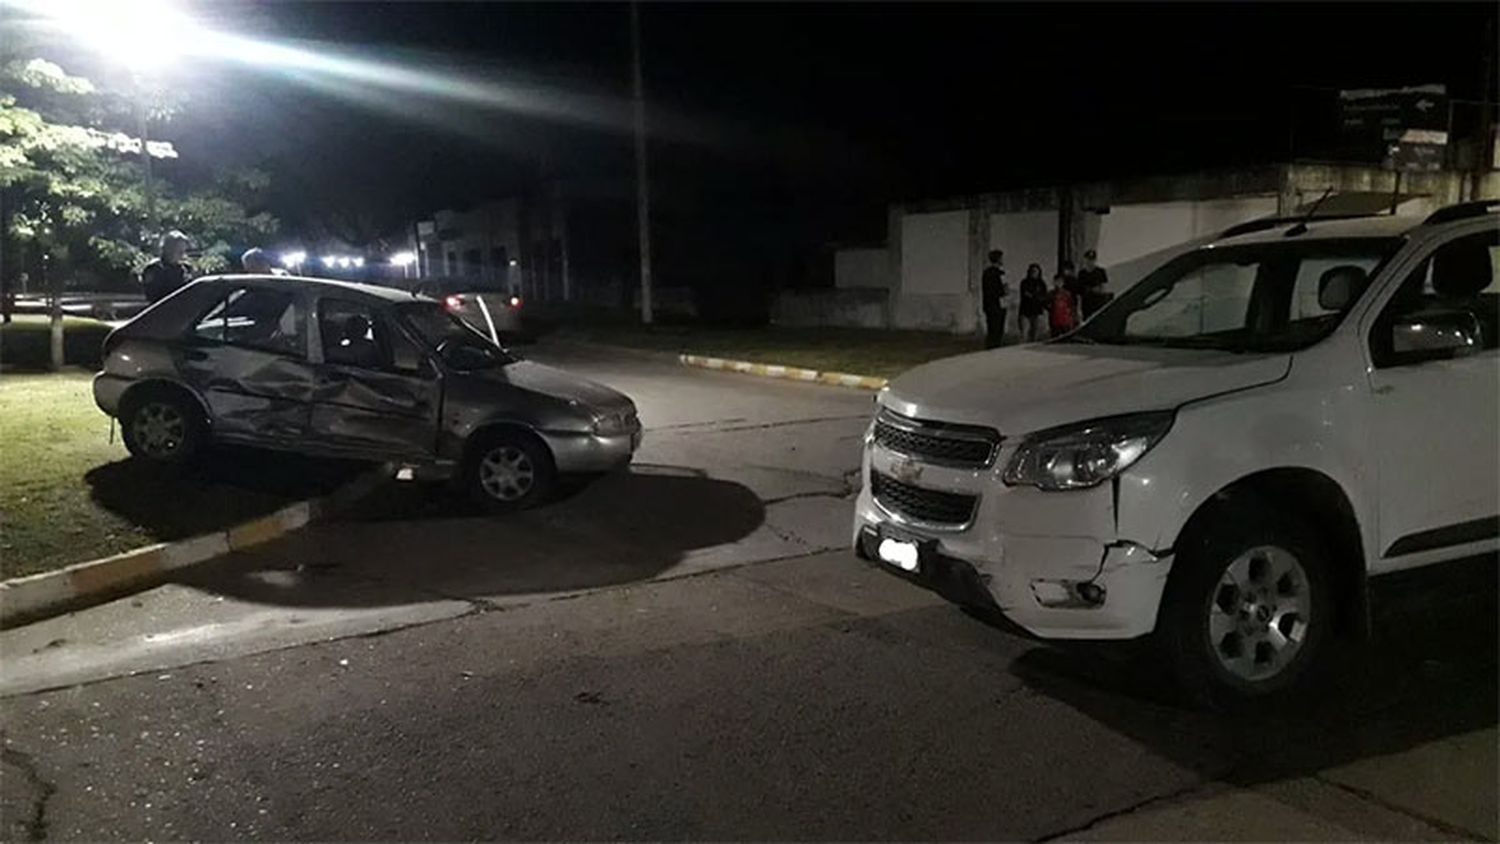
[349, 370]
[491, 310]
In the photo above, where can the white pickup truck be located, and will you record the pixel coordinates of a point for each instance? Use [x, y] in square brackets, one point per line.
[1224, 458]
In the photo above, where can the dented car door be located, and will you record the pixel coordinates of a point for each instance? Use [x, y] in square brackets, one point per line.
[376, 393]
[247, 357]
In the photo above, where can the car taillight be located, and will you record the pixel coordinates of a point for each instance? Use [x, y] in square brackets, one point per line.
[514, 301]
[454, 302]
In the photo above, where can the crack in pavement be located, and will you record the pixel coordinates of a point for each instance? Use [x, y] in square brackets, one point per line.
[36, 825]
[1371, 797]
[1128, 810]
[412, 625]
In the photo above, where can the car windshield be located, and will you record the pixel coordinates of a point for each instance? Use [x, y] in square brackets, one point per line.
[1272, 296]
[436, 326]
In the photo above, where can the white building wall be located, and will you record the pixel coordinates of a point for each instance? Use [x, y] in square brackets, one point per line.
[1026, 237]
[1128, 232]
[934, 290]
[861, 268]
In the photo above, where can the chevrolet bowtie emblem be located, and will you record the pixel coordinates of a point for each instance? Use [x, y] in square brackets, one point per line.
[907, 471]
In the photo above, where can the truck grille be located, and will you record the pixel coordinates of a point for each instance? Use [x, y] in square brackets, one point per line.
[923, 505]
[961, 446]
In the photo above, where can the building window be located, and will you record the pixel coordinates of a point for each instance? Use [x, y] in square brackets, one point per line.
[452, 264]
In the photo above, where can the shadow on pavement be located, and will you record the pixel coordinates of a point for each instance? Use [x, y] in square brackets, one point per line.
[224, 487]
[1425, 677]
[412, 544]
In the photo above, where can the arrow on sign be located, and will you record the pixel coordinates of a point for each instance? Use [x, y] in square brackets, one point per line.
[1425, 105]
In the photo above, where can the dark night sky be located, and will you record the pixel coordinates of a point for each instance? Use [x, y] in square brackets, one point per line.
[809, 117]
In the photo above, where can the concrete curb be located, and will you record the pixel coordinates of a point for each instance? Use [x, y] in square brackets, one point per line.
[37, 596]
[767, 370]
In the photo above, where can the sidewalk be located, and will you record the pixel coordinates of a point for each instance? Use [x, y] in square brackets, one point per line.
[1426, 793]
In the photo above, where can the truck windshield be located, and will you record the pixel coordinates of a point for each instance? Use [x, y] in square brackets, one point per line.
[1273, 296]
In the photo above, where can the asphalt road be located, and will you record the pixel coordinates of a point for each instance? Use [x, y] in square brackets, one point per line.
[686, 652]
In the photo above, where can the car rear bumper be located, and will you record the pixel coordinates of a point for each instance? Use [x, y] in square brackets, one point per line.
[107, 392]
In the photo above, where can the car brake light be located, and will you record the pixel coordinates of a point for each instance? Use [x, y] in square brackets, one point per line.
[454, 302]
[515, 301]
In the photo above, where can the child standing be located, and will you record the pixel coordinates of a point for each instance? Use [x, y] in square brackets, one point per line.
[1062, 308]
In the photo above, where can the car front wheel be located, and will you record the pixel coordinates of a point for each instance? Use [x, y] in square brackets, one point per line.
[509, 471]
[1248, 611]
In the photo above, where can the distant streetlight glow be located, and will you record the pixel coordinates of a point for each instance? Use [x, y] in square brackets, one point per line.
[404, 259]
[293, 259]
[344, 261]
[330, 260]
[359, 262]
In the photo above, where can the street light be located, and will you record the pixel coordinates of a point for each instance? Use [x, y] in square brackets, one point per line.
[144, 36]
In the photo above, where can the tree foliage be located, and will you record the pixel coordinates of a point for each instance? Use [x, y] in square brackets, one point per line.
[74, 188]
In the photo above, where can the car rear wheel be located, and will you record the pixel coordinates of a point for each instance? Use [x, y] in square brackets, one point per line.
[510, 471]
[1248, 612]
[162, 428]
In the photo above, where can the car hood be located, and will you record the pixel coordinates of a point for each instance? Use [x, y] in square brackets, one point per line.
[558, 384]
[1030, 388]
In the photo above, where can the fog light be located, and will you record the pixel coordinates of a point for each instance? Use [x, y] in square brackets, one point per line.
[1091, 593]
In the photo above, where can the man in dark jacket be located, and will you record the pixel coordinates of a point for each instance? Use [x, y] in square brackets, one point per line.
[1091, 283]
[163, 276]
[992, 292]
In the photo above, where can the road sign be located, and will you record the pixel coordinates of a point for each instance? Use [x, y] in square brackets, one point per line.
[1405, 128]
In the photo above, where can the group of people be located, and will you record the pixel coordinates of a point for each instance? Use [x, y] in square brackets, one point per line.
[169, 271]
[1072, 298]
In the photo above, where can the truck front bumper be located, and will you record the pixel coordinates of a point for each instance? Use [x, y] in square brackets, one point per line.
[1054, 564]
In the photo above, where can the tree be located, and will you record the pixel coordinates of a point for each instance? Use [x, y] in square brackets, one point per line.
[72, 184]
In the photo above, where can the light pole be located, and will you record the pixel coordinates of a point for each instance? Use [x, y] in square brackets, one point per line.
[642, 191]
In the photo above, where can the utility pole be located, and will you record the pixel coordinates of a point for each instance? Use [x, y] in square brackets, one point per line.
[642, 192]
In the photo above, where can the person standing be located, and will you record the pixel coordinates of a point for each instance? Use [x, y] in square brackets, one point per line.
[164, 275]
[1092, 280]
[992, 291]
[1062, 307]
[256, 261]
[1033, 303]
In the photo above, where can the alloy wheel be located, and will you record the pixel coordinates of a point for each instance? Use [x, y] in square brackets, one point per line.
[1258, 614]
[160, 429]
[506, 473]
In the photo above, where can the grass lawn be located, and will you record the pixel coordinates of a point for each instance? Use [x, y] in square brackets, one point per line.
[68, 494]
[858, 351]
[26, 342]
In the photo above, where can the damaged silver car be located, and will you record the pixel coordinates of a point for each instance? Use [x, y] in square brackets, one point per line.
[335, 369]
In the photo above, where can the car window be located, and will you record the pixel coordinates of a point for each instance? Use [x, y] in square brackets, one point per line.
[1310, 272]
[1460, 275]
[1267, 296]
[1208, 300]
[257, 318]
[353, 335]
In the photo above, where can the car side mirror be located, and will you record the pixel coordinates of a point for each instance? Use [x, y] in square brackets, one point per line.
[1434, 335]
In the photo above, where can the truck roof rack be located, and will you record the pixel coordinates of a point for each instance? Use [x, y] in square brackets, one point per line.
[1276, 222]
[1461, 211]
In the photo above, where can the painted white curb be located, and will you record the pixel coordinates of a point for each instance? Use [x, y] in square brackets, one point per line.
[34, 596]
[767, 370]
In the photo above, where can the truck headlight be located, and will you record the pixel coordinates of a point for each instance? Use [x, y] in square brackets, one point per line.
[1082, 455]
